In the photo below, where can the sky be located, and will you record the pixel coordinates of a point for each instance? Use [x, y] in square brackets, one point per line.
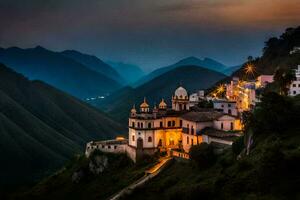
[148, 33]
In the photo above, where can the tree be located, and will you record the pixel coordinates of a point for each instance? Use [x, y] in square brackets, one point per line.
[284, 78]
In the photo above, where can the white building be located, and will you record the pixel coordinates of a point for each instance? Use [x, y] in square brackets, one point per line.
[195, 98]
[226, 106]
[295, 86]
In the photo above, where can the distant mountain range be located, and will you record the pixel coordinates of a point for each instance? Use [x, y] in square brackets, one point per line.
[131, 73]
[95, 64]
[205, 63]
[193, 78]
[61, 71]
[42, 127]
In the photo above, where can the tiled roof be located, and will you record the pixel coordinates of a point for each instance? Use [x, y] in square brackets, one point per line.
[201, 116]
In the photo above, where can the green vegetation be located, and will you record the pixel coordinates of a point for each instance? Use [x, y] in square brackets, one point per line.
[270, 171]
[42, 127]
[83, 178]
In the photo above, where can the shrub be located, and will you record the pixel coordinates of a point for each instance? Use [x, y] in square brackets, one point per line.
[238, 145]
[203, 155]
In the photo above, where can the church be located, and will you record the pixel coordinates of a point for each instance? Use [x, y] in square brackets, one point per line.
[173, 128]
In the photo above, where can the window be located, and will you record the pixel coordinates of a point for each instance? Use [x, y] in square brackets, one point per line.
[169, 123]
[103, 146]
[142, 125]
[294, 92]
[222, 106]
[229, 105]
[133, 124]
[192, 130]
[161, 124]
[139, 133]
[173, 123]
[188, 128]
[192, 141]
[149, 139]
[229, 111]
[231, 126]
[187, 139]
[109, 146]
[115, 147]
[139, 125]
[294, 85]
[298, 85]
[180, 123]
[222, 126]
[133, 138]
[149, 125]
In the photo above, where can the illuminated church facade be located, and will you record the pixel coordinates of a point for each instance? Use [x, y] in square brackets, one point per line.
[178, 127]
[174, 129]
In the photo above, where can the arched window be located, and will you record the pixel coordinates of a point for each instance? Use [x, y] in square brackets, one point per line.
[149, 125]
[188, 128]
[142, 125]
[133, 124]
[173, 123]
[180, 123]
[192, 141]
[187, 139]
[229, 111]
[192, 130]
[139, 125]
[161, 124]
[149, 139]
[231, 125]
[133, 138]
[222, 126]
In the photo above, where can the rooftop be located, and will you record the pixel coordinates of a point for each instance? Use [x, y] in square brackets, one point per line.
[201, 116]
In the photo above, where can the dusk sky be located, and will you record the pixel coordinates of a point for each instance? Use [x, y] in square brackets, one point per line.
[149, 33]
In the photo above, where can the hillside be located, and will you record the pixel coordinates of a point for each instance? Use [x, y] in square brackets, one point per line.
[95, 64]
[131, 73]
[193, 78]
[58, 70]
[270, 171]
[42, 127]
[205, 63]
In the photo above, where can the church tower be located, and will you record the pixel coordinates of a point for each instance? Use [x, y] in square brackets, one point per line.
[144, 107]
[180, 100]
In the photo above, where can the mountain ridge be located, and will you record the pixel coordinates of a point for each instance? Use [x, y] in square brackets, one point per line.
[57, 70]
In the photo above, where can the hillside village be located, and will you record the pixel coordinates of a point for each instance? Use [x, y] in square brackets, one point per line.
[177, 127]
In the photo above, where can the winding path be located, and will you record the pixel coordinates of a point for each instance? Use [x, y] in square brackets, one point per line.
[149, 174]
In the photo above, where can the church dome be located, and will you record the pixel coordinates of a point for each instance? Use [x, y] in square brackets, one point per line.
[144, 104]
[133, 110]
[162, 104]
[181, 93]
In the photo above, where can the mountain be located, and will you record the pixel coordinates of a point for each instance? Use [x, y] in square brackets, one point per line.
[58, 70]
[205, 63]
[228, 71]
[42, 127]
[131, 73]
[193, 78]
[94, 63]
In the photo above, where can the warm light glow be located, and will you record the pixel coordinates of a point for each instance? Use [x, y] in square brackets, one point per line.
[221, 89]
[120, 138]
[249, 69]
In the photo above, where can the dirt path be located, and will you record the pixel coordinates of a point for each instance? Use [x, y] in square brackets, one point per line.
[149, 174]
